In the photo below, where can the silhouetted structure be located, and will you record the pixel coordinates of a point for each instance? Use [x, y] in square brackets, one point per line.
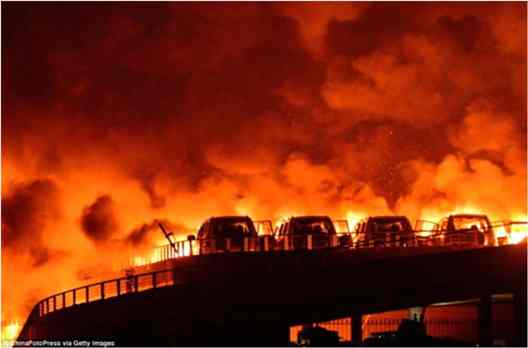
[316, 336]
[253, 298]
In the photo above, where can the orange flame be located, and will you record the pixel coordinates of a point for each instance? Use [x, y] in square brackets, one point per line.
[10, 332]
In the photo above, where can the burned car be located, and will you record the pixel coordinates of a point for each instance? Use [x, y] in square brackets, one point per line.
[465, 229]
[384, 231]
[306, 232]
[227, 233]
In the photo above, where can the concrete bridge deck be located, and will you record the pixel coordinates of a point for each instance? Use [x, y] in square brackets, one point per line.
[253, 298]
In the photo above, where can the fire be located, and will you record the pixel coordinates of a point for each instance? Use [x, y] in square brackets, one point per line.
[513, 229]
[282, 217]
[518, 237]
[242, 210]
[156, 255]
[431, 217]
[434, 215]
[139, 261]
[10, 331]
[519, 230]
[353, 218]
[500, 231]
[345, 128]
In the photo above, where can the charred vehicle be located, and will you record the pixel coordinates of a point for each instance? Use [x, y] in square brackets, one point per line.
[306, 232]
[227, 233]
[465, 229]
[384, 230]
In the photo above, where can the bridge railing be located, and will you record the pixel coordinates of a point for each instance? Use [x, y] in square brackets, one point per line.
[310, 241]
[263, 243]
[105, 290]
[351, 240]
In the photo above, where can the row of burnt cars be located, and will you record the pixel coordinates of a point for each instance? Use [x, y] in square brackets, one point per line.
[241, 233]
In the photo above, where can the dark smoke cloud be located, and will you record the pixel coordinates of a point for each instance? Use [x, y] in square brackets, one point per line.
[147, 180]
[26, 213]
[181, 90]
[42, 255]
[148, 232]
[98, 220]
[377, 26]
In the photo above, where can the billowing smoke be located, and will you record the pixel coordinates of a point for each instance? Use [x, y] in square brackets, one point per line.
[183, 111]
[98, 220]
[26, 213]
[149, 233]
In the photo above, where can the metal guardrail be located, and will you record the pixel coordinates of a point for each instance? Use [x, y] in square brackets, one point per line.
[267, 243]
[105, 290]
[264, 243]
[191, 248]
[469, 238]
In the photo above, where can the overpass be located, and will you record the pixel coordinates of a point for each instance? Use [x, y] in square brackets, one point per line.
[253, 298]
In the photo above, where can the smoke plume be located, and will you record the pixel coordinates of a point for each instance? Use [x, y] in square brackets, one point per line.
[98, 220]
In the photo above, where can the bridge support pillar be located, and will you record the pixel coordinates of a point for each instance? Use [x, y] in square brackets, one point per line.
[485, 322]
[519, 302]
[357, 329]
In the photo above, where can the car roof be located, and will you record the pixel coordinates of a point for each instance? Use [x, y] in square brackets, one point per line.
[229, 217]
[306, 217]
[469, 215]
[388, 217]
[310, 217]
